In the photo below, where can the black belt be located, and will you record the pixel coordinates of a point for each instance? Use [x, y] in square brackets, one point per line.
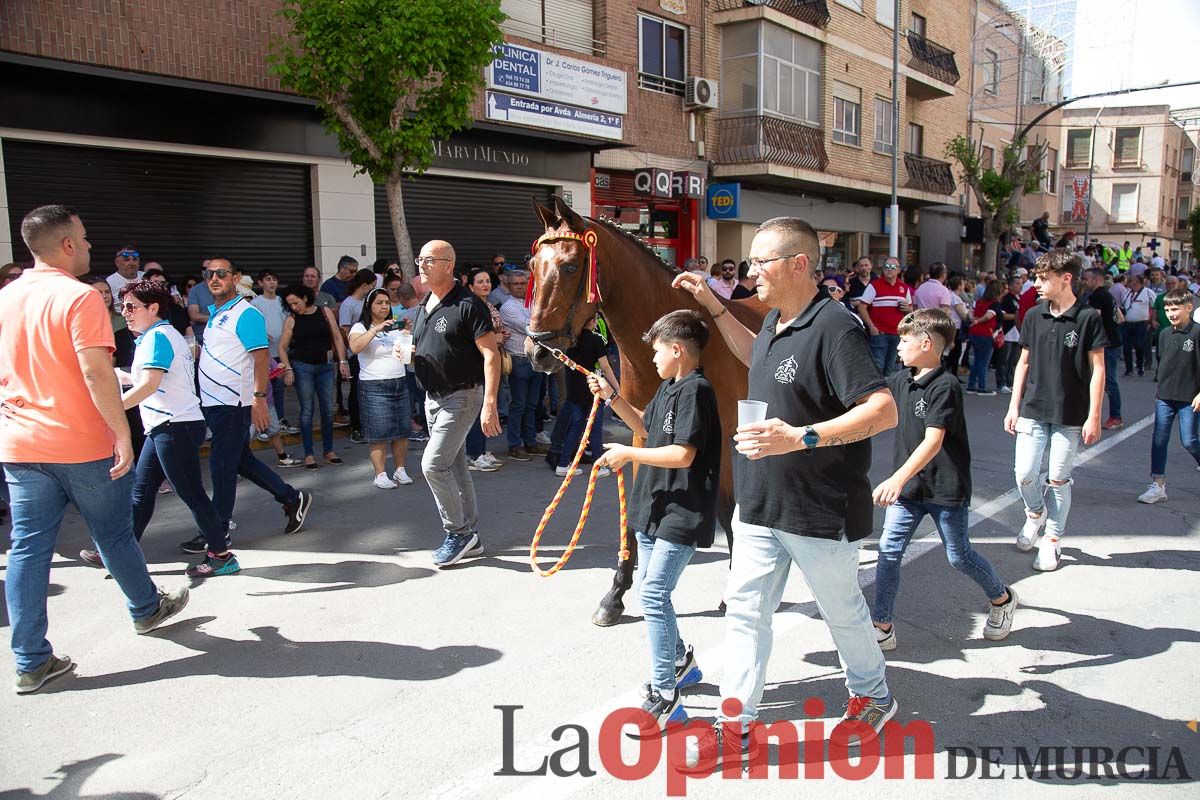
[450, 391]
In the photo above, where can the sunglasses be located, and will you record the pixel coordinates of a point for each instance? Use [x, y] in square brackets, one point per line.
[131, 307]
[217, 273]
[128, 254]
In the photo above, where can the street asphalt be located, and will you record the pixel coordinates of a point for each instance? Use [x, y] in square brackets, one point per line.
[340, 663]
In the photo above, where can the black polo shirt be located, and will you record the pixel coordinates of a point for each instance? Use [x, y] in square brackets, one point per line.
[813, 371]
[680, 505]
[1060, 369]
[1179, 370]
[934, 401]
[445, 358]
[1102, 300]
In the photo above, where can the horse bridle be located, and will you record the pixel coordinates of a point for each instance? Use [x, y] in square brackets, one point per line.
[588, 240]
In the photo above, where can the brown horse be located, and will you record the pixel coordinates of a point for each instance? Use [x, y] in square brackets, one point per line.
[634, 290]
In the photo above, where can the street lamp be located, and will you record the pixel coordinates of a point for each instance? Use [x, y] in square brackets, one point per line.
[1050, 109]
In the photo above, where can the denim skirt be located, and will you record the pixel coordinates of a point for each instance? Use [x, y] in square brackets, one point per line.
[385, 409]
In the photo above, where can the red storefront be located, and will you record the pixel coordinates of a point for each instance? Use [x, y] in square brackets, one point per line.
[656, 205]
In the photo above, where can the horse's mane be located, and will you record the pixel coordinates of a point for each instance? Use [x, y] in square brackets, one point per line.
[609, 224]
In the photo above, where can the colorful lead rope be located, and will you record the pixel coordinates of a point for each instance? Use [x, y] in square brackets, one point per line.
[587, 498]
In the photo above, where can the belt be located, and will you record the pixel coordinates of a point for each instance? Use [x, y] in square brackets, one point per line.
[452, 390]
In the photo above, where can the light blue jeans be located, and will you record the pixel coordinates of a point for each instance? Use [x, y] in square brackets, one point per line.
[1045, 452]
[900, 522]
[39, 496]
[758, 571]
[659, 565]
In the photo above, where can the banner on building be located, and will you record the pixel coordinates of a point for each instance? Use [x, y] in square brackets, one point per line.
[1079, 208]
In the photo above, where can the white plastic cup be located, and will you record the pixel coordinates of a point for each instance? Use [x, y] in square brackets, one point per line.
[404, 347]
[751, 411]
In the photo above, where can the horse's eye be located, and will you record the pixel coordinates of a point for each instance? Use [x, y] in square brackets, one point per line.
[569, 267]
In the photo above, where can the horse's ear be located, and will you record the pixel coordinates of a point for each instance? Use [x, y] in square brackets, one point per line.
[545, 214]
[575, 222]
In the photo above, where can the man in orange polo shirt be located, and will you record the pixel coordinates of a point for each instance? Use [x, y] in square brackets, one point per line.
[64, 439]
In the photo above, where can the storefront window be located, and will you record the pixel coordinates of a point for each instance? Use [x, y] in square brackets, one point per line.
[638, 222]
[835, 251]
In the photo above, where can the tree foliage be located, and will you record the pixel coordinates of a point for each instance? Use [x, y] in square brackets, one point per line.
[389, 76]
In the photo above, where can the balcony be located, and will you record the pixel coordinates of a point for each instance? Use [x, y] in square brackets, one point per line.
[749, 140]
[928, 175]
[814, 12]
[932, 59]
[1181, 224]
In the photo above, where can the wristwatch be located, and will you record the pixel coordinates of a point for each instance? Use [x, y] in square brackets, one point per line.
[260, 394]
[810, 438]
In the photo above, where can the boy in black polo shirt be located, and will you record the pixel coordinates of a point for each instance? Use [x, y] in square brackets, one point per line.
[674, 503]
[933, 475]
[1178, 390]
[1058, 392]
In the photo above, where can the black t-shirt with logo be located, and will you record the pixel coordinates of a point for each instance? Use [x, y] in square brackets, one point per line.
[680, 505]
[445, 358]
[1179, 370]
[934, 401]
[813, 371]
[589, 349]
[1060, 367]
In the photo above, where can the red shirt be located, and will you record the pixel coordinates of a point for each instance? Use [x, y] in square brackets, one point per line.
[1029, 299]
[984, 328]
[884, 299]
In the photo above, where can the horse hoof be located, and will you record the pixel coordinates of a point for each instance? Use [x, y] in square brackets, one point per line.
[721, 607]
[608, 614]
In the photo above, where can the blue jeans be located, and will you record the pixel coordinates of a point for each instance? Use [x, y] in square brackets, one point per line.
[1045, 453]
[659, 565]
[526, 385]
[1136, 339]
[758, 571]
[476, 441]
[172, 450]
[230, 455]
[417, 396]
[568, 429]
[883, 350]
[1165, 412]
[981, 357]
[39, 494]
[315, 379]
[277, 395]
[900, 523]
[1112, 357]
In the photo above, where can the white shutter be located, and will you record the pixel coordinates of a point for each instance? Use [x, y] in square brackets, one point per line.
[1124, 202]
[569, 24]
[524, 18]
[885, 13]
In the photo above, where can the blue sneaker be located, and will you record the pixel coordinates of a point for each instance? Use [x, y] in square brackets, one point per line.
[687, 674]
[455, 548]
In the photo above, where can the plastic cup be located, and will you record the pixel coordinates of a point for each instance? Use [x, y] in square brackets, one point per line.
[751, 411]
[403, 347]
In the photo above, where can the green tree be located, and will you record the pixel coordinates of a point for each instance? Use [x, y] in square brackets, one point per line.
[390, 77]
[998, 193]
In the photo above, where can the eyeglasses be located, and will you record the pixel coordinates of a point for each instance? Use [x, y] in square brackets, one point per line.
[891, 266]
[128, 254]
[131, 307]
[428, 259]
[217, 273]
[759, 263]
[497, 263]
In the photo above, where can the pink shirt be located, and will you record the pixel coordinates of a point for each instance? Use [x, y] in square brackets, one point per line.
[933, 294]
[720, 288]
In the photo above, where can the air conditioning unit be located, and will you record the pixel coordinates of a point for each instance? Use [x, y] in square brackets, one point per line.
[700, 93]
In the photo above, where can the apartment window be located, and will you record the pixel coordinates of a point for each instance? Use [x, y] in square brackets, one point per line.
[568, 23]
[856, 5]
[786, 65]
[1185, 207]
[917, 25]
[987, 158]
[1185, 164]
[916, 139]
[1124, 202]
[847, 114]
[885, 12]
[1079, 148]
[1127, 147]
[883, 125]
[662, 55]
[1050, 170]
[991, 72]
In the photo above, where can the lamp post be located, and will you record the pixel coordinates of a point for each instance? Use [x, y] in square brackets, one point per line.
[1051, 109]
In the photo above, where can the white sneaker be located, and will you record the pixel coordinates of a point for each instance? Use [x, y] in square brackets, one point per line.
[491, 459]
[562, 471]
[886, 639]
[262, 437]
[1005, 390]
[603, 472]
[480, 465]
[1028, 536]
[542, 438]
[382, 481]
[1000, 619]
[1048, 554]
[401, 477]
[1154, 492]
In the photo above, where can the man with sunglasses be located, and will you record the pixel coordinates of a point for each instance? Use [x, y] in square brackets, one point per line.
[233, 369]
[882, 306]
[128, 262]
[724, 285]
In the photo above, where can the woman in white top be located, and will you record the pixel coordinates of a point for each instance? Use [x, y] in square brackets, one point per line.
[383, 403]
[163, 389]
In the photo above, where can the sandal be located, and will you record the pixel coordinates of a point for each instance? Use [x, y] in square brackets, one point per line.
[311, 465]
[334, 460]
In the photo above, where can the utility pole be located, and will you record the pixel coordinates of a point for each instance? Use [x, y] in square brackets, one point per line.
[894, 211]
[1087, 220]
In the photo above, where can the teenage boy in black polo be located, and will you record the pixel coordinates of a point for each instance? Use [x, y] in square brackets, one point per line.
[932, 457]
[457, 364]
[673, 509]
[1058, 393]
[1178, 390]
[802, 488]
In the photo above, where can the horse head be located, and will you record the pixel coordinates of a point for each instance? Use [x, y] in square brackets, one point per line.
[561, 299]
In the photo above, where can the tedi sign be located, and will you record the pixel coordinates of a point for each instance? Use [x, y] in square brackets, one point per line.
[665, 183]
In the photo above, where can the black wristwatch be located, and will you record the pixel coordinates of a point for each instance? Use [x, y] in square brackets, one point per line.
[260, 394]
[810, 438]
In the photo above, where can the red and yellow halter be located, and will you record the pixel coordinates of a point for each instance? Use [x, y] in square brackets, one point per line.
[588, 240]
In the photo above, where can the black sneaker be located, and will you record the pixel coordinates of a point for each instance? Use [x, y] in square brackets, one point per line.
[871, 710]
[196, 545]
[357, 437]
[297, 512]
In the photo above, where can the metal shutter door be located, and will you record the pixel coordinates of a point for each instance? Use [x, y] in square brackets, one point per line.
[177, 209]
[480, 218]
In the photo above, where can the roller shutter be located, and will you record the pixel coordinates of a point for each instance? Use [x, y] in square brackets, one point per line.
[480, 218]
[177, 209]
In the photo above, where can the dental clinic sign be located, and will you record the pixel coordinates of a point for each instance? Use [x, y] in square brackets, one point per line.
[549, 76]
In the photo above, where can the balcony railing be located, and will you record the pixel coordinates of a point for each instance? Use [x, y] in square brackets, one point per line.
[932, 59]
[814, 12]
[749, 140]
[928, 174]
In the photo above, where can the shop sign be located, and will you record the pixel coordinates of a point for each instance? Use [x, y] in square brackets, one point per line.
[507, 155]
[667, 184]
[549, 76]
[553, 116]
[724, 200]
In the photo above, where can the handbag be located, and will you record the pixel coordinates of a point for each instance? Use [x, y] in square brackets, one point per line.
[506, 363]
[998, 337]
